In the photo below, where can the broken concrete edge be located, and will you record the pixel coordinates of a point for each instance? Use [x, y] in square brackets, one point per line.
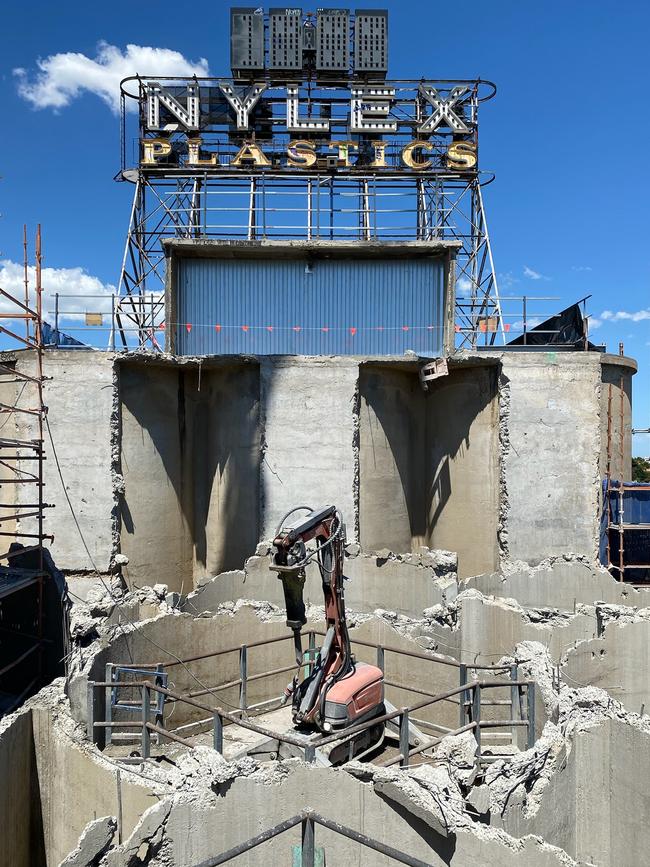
[423, 582]
[424, 795]
[445, 788]
[433, 794]
[562, 581]
[519, 781]
[439, 634]
[436, 629]
[437, 794]
[93, 843]
[504, 445]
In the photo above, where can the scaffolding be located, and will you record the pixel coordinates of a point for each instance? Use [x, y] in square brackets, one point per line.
[23, 569]
[615, 490]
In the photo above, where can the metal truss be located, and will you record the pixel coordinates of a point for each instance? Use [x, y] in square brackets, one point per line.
[200, 188]
[318, 206]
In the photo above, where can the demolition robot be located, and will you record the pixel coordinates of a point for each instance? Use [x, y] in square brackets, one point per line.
[332, 691]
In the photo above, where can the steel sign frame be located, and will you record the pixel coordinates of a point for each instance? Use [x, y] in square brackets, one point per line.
[273, 158]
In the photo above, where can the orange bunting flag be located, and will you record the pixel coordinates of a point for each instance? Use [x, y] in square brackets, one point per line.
[162, 326]
[457, 329]
[353, 331]
[506, 326]
[269, 328]
[244, 328]
[188, 327]
[217, 328]
[405, 328]
[296, 328]
[325, 328]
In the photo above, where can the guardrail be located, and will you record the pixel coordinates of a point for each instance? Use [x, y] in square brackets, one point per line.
[308, 819]
[468, 695]
[135, 320]
[516, 319]
[125, 322]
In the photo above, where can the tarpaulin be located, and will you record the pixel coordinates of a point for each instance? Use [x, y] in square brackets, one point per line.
[567, 328]
[54, 337]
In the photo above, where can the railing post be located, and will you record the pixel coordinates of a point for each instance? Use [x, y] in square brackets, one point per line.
[217, 733]
[146, 734]
[380, 657]
[56, 318]
[159, 699]
[404, 737]
[108, 711]
[524, 320]
[113, 323]
[243, 675]
[90, 711]
[153, 316]
[476, 714]
[462, 697]
[530, 695]
[514, 701]
[308, 842]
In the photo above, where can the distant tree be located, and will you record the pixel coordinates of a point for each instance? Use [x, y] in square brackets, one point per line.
[641, 469]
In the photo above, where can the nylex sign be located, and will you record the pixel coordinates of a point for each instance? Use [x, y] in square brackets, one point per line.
[370, 114]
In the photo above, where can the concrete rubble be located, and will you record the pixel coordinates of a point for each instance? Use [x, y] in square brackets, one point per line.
[203, 783]
[504, 812]
[93, 843]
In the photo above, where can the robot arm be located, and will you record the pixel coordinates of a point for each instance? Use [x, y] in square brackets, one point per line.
[290, 560]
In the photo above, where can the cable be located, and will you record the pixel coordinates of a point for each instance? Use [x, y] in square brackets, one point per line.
[16, 405]
[296, 509]
[129, 769]
[118, 602]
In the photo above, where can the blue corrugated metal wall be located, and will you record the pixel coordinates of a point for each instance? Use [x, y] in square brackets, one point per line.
[296, 307]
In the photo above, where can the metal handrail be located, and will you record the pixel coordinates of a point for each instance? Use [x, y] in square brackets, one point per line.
[468, 693]
[475, 687]
[233, 649]
[146, 311]
[430, 657]
[309, 819]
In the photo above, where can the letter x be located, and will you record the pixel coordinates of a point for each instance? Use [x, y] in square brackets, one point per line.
[443, 109]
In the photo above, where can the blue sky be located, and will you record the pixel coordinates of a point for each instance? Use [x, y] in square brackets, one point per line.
[566, 135]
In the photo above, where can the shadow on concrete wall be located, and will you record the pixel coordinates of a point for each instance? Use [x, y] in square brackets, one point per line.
[190, 460]
[392, 482]
[429, 463]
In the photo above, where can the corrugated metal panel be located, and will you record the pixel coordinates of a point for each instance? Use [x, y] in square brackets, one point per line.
[297, 307]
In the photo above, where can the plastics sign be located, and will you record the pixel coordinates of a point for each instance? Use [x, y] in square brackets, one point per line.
[212, 125]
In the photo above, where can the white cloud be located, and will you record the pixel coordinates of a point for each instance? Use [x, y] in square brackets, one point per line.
[531, 323]
[463, 286]
[62, 78]
[619, 315]
[534, 275]
[581, 268]
[506, 279]
[64, 281]
[594, 323]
